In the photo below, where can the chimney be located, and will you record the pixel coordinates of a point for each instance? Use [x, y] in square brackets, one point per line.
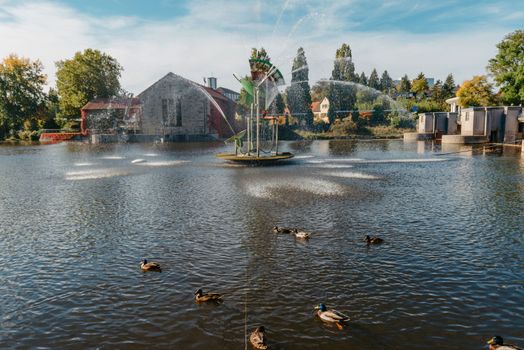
[212, 83]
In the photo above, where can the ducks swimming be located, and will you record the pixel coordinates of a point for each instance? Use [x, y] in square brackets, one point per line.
[200, 296]
[498, 343]
[331, 316]
[150, 266]
[298, 233]
[258, 338]
[373, 240]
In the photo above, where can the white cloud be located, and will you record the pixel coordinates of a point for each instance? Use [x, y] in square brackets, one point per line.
[216, 39]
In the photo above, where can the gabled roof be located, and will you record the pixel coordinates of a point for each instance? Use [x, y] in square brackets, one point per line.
[112, 103]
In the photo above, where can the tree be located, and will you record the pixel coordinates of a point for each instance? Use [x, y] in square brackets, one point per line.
[507, 67]
[22, 94]
[476, 92]
[449, 87]
[278, 106]
[374, 81]
[405, 85]
[386, 83]
[344, 68]
[342, 91]
[88, 75]
[437, 92]
[363, 79]
[299, 94]
[420, 84]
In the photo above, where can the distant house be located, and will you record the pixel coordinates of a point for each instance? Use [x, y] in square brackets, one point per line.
[472, 125]
[111, 115]
[320, 111]
[174, 108]
[180, 109]
[231, 94]
[453, 104]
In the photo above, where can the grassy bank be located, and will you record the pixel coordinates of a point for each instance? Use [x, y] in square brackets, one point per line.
[375, 132]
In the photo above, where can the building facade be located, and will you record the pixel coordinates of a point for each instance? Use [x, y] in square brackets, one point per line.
[173, 108]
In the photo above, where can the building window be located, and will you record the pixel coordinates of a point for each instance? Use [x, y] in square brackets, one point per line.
[171, 111]
[165, 116]
[467, 116]
[178, 113]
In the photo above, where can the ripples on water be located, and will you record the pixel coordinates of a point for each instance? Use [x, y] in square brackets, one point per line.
[449, 275]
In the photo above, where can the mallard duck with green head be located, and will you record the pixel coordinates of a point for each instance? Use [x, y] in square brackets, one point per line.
[150, 266]
[258, 338]
[498, 343]
[200, 296]
[331, 316]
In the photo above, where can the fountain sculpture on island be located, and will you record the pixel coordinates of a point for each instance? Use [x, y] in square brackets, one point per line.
[261, 89]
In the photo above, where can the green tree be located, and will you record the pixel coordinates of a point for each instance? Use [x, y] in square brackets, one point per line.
[342, 91]
[299, 94]
[278, 106]
[405, 85]
[344, 68]
[386, 82]
[363, 79]
[507, 67]
[476, 92]
[449, 87]
[22, 96]
[88, 75]
[374, 81]
[437, 92]
[420, 85]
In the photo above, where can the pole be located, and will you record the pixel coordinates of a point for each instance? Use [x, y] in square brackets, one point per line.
[258, 122]
[276, 146]
[249, 131]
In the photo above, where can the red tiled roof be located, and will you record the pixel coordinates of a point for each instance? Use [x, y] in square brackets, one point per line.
[315, 106]
[112, 103]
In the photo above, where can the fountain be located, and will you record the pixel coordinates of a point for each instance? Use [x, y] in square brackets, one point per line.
[262, 89]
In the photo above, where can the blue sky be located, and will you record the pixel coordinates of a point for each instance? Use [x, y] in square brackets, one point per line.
[199, 38]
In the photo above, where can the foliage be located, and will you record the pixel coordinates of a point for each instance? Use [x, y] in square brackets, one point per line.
[298, 94]
[22, 96]
[374, 81]
[363, 79]
[423, 106]
[476, 92]
[437, 93]
[342, 93]
[88, 75]
[420, 85]
[507, 67]
[449, 87]
[405, 85]
[386, 82]
[344, 68]
[343, 127]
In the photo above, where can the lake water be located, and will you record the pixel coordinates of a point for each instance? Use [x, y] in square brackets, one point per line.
[77, 219]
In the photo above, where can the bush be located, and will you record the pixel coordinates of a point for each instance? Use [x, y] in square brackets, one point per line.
[342, 127]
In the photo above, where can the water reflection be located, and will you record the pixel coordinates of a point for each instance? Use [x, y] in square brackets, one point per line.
[451, 223]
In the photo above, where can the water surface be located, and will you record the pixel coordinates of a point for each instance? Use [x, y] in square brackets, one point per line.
[77, 219]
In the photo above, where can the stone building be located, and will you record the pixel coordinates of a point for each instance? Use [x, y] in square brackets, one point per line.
[173, 108]
[180, 109]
